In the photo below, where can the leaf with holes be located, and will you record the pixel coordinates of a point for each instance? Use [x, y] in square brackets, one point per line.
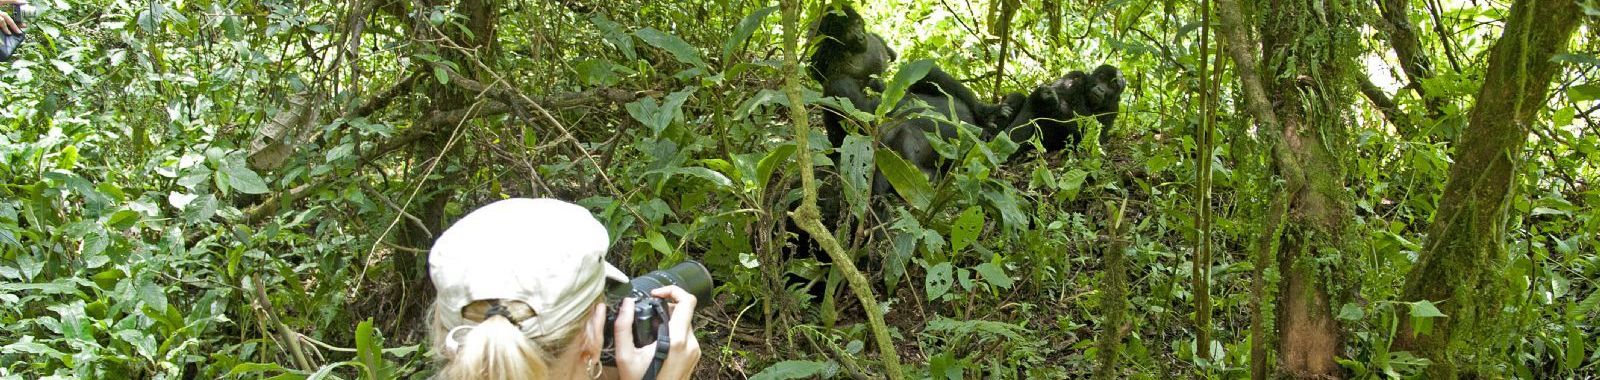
[940, 278]
[966, 228]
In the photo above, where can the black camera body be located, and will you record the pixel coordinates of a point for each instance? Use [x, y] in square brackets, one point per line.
[10, 42]
[650, 313]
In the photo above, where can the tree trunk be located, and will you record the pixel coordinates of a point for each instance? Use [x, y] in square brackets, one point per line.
[1307, 50]
[431, 151]
[1302, 51]
[1460, 266]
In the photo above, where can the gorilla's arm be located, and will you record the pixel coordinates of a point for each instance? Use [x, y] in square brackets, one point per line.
[941, 83]
[851, 89]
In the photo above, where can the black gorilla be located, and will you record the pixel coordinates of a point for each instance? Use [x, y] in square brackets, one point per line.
[1052, 110]
[848, 59]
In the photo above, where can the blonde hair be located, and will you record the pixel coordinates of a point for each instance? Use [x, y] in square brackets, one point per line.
[496, 348]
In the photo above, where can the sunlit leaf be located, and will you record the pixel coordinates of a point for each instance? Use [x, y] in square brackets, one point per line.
[966, 228]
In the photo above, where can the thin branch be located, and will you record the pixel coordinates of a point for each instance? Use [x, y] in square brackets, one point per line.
[1407, 45]
[1385, 105]
[387, 202]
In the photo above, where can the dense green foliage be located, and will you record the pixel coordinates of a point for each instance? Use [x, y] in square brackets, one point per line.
[213, 188]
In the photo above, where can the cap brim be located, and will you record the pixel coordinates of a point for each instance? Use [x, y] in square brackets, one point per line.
[615, 274]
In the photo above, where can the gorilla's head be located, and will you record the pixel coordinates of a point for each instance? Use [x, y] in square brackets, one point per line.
[845, 48]
[1097, 94]
[1106, 89]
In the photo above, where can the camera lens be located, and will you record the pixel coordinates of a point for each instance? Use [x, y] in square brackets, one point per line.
[689, 275]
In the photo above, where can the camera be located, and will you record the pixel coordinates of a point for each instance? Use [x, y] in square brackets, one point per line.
[650, 313]
[9, 43]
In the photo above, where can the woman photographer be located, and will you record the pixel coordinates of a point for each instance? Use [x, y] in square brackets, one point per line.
[7, 24]
[520, 286]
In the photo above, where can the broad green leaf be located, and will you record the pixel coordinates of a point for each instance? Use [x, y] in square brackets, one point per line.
[994, 274]
[1577, 312]
[966, 228]
[746, 28]
[615, 34]
[761, 98]
[1577, 59]
[597, 72]
[907, 180]
[1584, 93]
[855, 171]
[905, 245]
[142, 342]
[369, 351]
[1563, 116]
[648, 112]
[1575, 349]
[240, 176]
[658, 242]
[982, 328]
[658, 115]
[29, 346]
[769, 164]
[180, 200]
[940, 278]
[1042, 178]
[1351, 312]
[1071, 183]
[794, 369]
[112, 190]
[695, 171]
[674, 103]
[893, 91]
[1425, 309]
[200, 209]
[94, 243]
[1005, 200]
[194, 176]
[326, 372]
[123, 219]
[249, 368]
[68, 158]
[681, 50]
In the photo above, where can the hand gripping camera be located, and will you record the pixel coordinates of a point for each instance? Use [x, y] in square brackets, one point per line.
[650, 313]
[9, 43]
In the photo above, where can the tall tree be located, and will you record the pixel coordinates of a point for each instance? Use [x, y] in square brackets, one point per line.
[1460, 265]
[1306, 48]
[463, 48]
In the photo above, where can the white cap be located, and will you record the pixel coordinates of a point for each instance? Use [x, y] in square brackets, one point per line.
[546, 253]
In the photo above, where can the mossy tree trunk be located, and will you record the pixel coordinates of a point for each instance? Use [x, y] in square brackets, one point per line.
[1307, 50]
[1306, 45]
[1460, 266]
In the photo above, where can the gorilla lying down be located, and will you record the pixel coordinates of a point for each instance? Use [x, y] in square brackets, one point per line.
[848, 60]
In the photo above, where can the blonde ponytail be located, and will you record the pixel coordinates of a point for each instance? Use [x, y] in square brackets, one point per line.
[496, 349]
